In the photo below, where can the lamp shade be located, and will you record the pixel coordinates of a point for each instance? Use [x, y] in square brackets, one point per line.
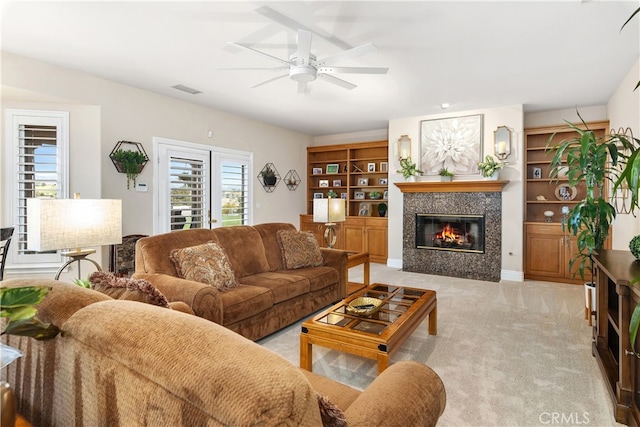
[328, 210]
[54, 224]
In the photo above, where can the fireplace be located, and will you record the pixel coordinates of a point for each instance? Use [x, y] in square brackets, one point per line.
[461, 233]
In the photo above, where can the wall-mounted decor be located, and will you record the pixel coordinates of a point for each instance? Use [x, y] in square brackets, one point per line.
[269, 177]
[453, 143]
[292, 179]
[130, 158]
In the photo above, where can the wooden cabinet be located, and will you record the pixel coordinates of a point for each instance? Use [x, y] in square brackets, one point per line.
[357, 234]
[548, 250]
[352, 171]
[615, 302]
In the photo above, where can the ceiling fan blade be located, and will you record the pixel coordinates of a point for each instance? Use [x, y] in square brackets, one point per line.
[351, 53]
[304, 47]
[270, 80]
[281, 19]
[254, 68]
[336, 81]
[353, 70]
[266, 55]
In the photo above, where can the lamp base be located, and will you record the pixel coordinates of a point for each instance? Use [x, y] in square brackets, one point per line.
[77, 256]
[330, 235]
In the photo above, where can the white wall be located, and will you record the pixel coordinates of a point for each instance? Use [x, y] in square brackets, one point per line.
[624, 112]
[105, 112]
[512, 196]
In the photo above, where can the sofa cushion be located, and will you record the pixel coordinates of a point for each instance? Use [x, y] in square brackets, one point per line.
[283, 286]
[244, 248]
[127, 289]
[299, 249]
[318, 277]
[207, 263]
[269, 233]
[243, 302]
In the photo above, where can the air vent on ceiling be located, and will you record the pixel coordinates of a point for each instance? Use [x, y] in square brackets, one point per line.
[187, 89]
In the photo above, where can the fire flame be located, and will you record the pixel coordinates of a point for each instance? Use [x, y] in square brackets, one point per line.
[448, 234]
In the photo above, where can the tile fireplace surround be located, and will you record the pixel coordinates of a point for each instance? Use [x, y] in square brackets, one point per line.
[455, 198]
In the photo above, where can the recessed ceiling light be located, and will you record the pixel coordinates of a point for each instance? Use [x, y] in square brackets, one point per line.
[445, 105]
[187, 89]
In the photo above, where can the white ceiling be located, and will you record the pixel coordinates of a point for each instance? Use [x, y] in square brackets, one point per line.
[543, 54]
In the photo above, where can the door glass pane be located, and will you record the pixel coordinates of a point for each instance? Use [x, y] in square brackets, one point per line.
[235, 201]
[187, 193]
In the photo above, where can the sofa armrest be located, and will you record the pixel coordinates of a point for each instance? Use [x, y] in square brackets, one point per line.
[203, 299]
[337, 259]
[405, 394]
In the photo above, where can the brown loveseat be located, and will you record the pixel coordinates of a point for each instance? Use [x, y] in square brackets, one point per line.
[126, 363]
[269, 296]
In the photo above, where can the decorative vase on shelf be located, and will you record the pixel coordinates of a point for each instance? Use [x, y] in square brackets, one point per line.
[411, 178]
[494, 176]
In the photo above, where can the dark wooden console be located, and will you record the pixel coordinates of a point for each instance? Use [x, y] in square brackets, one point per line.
[616, 298]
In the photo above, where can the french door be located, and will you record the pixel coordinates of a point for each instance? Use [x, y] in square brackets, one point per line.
[200, 186]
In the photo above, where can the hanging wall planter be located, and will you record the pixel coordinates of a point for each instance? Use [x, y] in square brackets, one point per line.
[269, 177]
[130, 158]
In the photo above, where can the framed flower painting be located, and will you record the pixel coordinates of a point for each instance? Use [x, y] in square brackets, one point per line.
[453, 143]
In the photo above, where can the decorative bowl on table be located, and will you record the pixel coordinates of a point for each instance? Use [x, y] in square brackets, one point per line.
[364, 306]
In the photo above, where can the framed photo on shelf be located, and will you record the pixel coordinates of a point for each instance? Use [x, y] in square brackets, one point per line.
[384, 166]
[318, 196]
[337, 183]
[359, 195]
[363, 181]
[323, 183]
[382, 181]
[385, 195]
[371, 167]
[365, 209]
[316, 171]
[344, 196]
[333, 168]
[537, 173]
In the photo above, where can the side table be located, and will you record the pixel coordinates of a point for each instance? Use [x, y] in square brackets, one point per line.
[354, 259]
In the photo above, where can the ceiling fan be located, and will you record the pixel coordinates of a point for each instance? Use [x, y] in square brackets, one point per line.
[304, 67]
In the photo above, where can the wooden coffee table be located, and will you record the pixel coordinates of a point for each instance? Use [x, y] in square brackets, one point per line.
[377, 336]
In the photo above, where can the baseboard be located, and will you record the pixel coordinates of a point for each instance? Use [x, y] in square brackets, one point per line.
[511, 275]
[394, 263]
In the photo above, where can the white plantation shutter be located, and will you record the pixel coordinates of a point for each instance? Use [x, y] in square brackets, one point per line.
[234, 186]
[36, 163]
[187, 183]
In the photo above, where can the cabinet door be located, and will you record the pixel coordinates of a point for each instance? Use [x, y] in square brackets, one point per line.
[354, 237]
[377, 243]
[545, 255]
[307, 224]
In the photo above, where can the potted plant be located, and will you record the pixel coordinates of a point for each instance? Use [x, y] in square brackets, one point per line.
[129, 162]
[268, 176]
[375, 195]
[408, 169]
[634, 246]
[490, 166]
[382, 209]
[445, 175]
[332, 194]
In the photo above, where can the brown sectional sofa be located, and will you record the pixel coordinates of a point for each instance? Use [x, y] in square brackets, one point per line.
[269, 297]
[126, 363]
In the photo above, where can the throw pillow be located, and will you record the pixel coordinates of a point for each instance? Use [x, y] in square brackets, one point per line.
[299, 249]
[127, 289]
[331, 415]
[207, 263]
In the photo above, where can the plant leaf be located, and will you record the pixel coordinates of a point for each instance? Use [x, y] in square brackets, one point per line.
[32, 328]
[27, 295]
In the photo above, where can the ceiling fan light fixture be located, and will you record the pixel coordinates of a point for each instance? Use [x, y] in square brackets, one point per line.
[303, 74]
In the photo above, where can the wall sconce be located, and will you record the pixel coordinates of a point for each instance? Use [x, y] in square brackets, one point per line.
[502, 142]
[329, 211]
[404, 147]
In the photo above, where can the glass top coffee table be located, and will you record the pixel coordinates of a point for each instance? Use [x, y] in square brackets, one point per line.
[376, 336]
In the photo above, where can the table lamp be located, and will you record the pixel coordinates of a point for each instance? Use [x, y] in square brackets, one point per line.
[70, 224]
[330, 211]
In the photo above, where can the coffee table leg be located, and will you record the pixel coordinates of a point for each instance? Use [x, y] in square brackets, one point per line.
[383, 362]
[306, 353]
[433, 320]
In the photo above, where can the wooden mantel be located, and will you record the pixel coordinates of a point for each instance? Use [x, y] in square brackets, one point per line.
[484, 186]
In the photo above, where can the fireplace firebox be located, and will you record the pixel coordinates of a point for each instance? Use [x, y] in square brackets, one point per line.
[460, 233]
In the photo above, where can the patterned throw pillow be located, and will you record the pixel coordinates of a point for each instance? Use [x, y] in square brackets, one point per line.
[331, 415]
[206, 263]
[127, 289]
[299, 249]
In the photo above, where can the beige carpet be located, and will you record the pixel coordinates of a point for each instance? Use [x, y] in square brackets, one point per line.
[509, 353]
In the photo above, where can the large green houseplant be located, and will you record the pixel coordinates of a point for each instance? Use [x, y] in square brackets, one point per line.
[18, 305]
[589, 160]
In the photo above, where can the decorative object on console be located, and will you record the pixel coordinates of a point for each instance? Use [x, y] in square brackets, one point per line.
[269, 177]
[454, 143]
[502, 142]
[72, 223]
[490, 167]
[408, 169]
[445, 175]
[382, 209]
[292, 179]
[329, 211]
[130, 162]
[548, 216]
